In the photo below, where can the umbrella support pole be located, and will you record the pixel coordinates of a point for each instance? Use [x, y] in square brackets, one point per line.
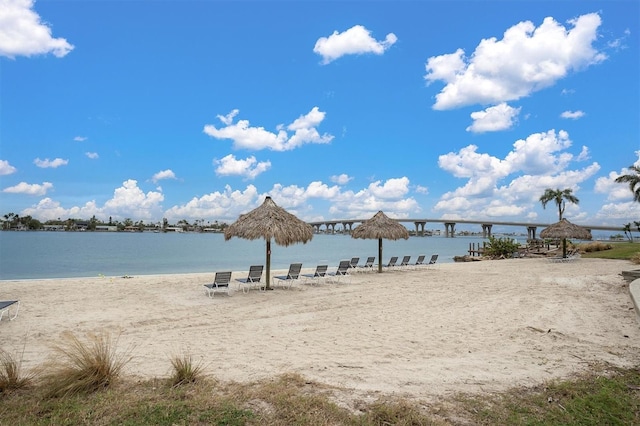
[268, 287]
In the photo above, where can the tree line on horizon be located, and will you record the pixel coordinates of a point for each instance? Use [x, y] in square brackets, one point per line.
[14, 221]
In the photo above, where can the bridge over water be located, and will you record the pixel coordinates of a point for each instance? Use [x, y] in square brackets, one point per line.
[450, 225]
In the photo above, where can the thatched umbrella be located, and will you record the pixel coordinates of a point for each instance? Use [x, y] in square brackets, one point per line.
[565, 229]
[380, 226]
[270, 222]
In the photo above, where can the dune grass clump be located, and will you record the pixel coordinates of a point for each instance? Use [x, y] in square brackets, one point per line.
[185, 370]
[82, 366]
[594, 246]
[11, 375]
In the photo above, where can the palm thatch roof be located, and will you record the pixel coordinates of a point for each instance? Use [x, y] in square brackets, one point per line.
[380, 226]
[271, 222]
[566, 229]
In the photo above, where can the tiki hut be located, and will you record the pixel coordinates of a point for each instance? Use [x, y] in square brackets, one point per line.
[271, 223]
[563, 230]
[380, 226]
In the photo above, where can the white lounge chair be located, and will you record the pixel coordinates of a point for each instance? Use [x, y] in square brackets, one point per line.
[368, 265]
[221, 283]
[292, 275]
[319, 274]
[6, 306]
[254, 277]
[342, 272]
[404, 263]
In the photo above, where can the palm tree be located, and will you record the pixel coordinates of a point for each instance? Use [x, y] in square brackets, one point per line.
[559, 196]
[633, 179]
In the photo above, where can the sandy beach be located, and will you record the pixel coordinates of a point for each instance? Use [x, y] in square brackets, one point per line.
[477, 326]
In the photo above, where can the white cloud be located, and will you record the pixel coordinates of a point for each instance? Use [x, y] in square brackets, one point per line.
[48, 209]
[80, 138]
[53, 164]
[342, 179]
[6, 168]
[248, 168]
[392, 189]
[128, 201]
[538, 162]
[574, 115]
[23, 34]
[227, 205]
[617, 214]
[422, 189]
[164, 174]
[540, 153]
[354, 41]
[256, 138]
[92, 155]
[492, 119]
[526, 60]
[615, 191]
[29, 189]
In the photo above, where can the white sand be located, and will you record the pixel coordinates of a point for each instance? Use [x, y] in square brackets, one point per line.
[479, 326]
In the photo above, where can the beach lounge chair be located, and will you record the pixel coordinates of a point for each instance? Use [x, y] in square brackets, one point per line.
[419, 261]
[368, 265]
[354, 263]
[292, 275]
[221, 283]
[319, 274]
[6, 306]
[392, 263]
[254, 277]
[433, 260]
[342, 272]
[404, 264]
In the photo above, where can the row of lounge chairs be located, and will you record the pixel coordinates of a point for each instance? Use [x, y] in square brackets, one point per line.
[222, 280]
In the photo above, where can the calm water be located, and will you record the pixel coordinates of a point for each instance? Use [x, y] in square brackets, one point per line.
[31, 255]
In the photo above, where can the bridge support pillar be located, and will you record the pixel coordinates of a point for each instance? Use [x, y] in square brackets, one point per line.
[348, 226]
[531, 232]
[449, 229]
[486, 230]
[333, 227]
[420, 228]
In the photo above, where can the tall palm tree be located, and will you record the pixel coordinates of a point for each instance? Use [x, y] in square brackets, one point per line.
[559, 196]
[633, 179]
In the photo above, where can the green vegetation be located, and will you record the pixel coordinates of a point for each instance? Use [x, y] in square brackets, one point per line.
[500, 247]
[605, 396]
[559, 196]
[633, 179]
[82, 367]
[185, 370]
[609, 250]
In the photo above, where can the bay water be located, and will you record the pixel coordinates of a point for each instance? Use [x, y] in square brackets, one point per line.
[41, 254]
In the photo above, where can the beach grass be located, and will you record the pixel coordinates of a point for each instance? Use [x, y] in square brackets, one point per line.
[185, 370]
[12, 376]
[82, 366]
[606, 395]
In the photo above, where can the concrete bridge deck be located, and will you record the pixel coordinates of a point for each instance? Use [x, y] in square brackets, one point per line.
[449, 225]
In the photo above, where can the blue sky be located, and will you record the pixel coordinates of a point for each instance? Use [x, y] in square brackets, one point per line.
[422, 109]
